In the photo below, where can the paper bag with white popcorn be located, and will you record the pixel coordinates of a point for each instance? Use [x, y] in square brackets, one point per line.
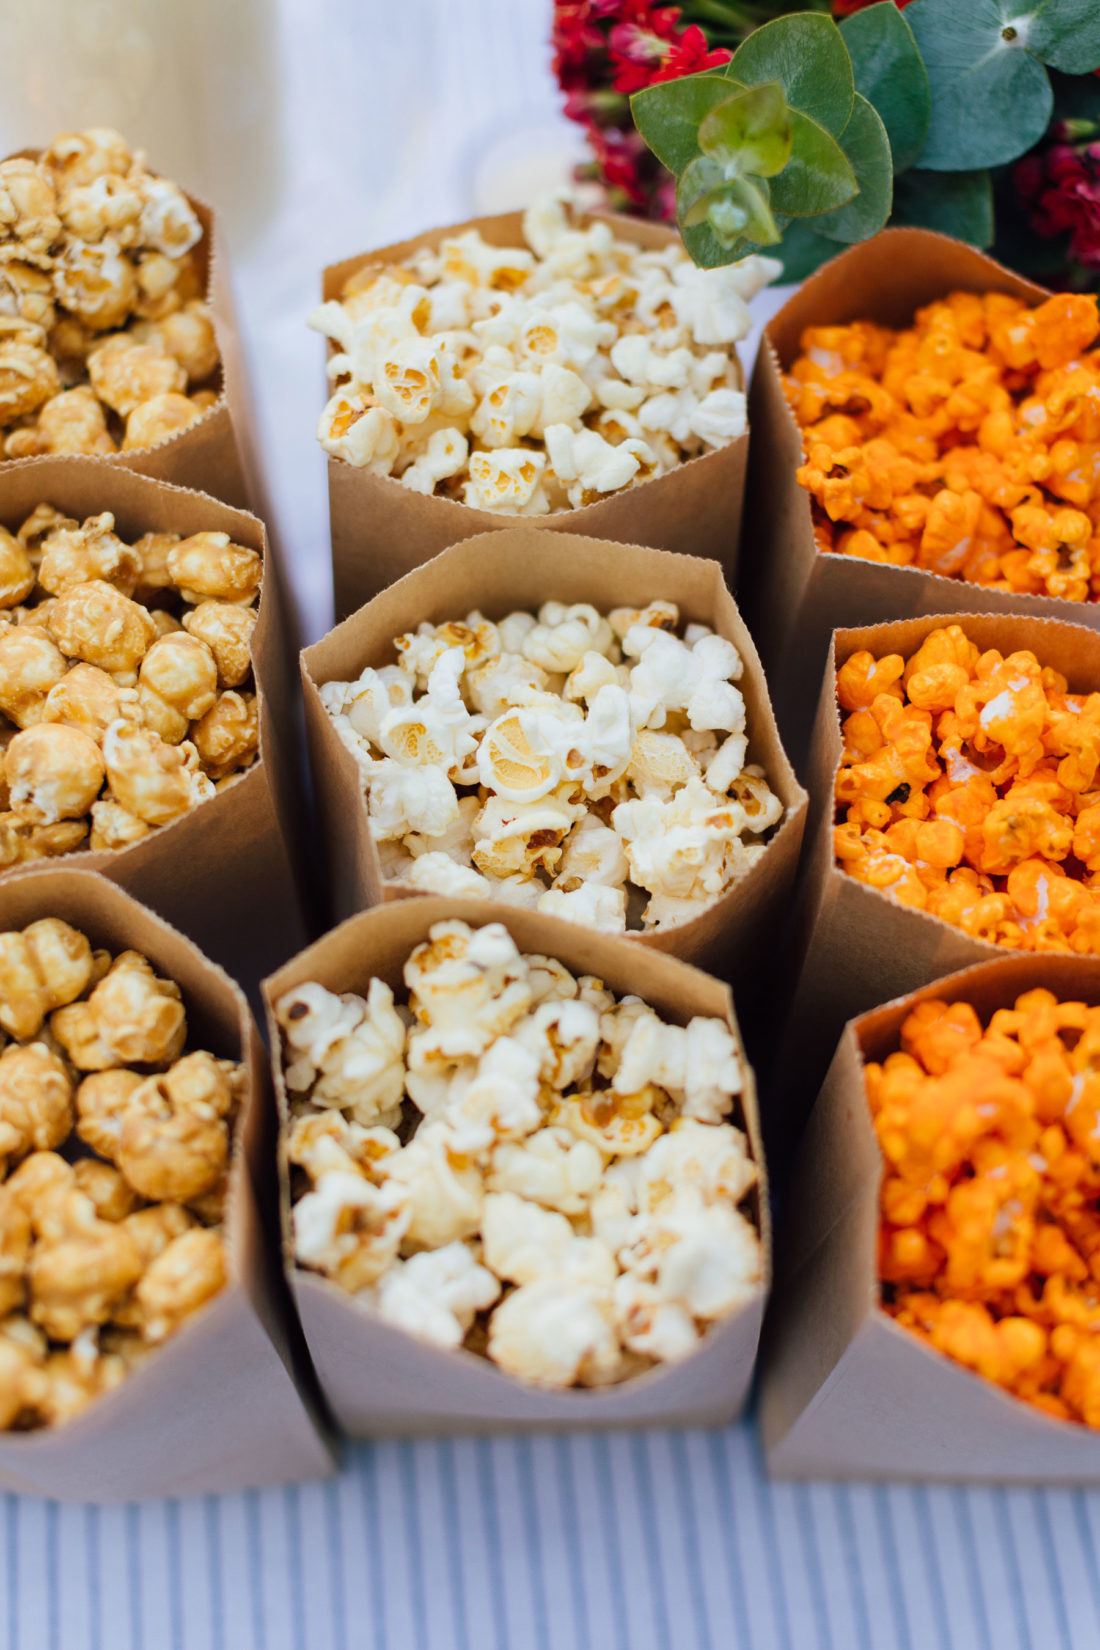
[382, 528]
[854, 945]
[226, 1400]
[225, 871]
[794, 594]
[381, 1379]
[208, 448]
[846, 1391]
[518, 569]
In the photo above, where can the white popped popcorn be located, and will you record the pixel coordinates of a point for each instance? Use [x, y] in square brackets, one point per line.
[556, 1332]
[526, 367]
[349, 1228]
[436, 1293]
[567, 760]
[350, 1053]
[567, 1195]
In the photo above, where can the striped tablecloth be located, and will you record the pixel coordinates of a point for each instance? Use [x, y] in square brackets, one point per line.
[657, 1541]
[645, 1541]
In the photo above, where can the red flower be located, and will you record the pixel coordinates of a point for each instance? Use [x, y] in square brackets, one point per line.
[643, 55]
[845, 8]
[603, 51]
[574, 34]
[691, 55]
[1061, 186]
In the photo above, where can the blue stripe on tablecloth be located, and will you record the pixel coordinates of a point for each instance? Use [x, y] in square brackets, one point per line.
[892, 1569]
[213, 1555]
[133, 1569]
[532, 1543]
[453, 1522]
[294, 1543]
[175, 1576]
[53, 1579]
[364, 1460]
[92, 1577]
[494, 1576]
[691, 1541]
[567, 1490]
[337, 1582]
[600, 1447]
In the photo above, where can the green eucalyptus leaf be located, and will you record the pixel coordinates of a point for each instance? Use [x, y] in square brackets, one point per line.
[818, 177]
[890, 74]
[867, 147]
[735, 208]
[955, 203]
[803, 250]
[741, 210]
[705, 249]
[991, 99]
[1066, 34]
[698, 181]
[807, 56]
[750, 132]
[668, 115]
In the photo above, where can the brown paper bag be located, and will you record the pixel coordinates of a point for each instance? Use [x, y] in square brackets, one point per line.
[217, 1408]
[846, 1391]
[381, 530]
[380, 1380]
[856, 946]
[225, 873]
[518, 567]
[214, 454]
[794, 595]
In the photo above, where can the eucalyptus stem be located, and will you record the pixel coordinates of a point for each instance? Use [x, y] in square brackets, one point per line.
[737, 18]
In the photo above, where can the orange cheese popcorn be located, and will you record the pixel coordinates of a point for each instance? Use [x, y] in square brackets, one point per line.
[967, 444]
[989, 1240]
[968, 788]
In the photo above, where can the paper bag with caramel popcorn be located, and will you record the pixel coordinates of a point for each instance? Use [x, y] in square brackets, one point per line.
[848, 1391]
[115, 296]
[971, 871]
[148, 728]
[795, 592]
[400, 1365]
[147, 1344]
[649, 812]
[383, 527]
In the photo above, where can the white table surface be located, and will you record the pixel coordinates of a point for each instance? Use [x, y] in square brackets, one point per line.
[652, 1541]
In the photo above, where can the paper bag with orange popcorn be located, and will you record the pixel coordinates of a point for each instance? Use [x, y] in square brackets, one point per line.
[952, 816]
[924, 443]
[931, 1316]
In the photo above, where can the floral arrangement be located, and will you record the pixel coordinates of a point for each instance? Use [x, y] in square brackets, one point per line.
[807, 127]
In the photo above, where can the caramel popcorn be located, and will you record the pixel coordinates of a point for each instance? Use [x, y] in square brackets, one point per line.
[967, 789]
[105, 342]
[529, 381]
[570, 760]
[123, 705]
[114, 1156]
[988, 1239]
[517, 1161]
[964, 445]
